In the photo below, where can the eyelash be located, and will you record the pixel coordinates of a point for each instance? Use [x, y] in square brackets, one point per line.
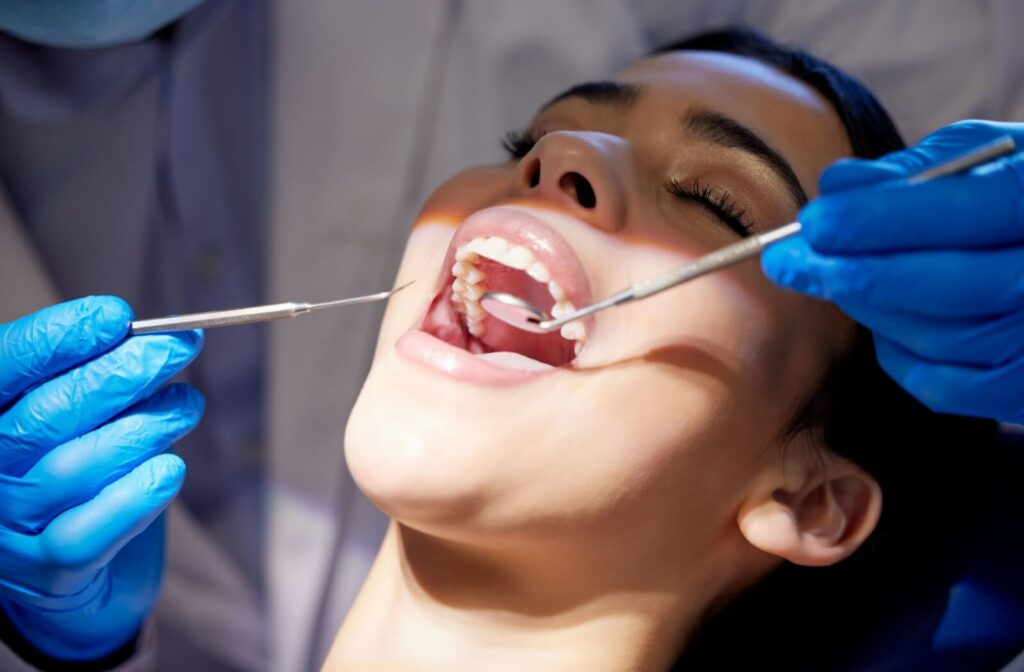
[716, 201]
[519, 143]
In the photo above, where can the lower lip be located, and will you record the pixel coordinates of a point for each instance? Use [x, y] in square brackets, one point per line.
[433, 353]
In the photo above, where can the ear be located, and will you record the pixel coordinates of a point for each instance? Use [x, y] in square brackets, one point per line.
[817, 516]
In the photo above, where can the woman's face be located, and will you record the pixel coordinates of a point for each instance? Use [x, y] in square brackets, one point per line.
[669, 410]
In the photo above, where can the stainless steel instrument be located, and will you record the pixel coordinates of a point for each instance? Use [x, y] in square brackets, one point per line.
[250, 315]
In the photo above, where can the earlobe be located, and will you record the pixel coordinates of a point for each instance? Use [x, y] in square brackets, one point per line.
[817, 522]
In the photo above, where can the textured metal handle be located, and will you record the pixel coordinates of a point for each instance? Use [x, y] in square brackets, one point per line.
[726, 256]
[219, 318]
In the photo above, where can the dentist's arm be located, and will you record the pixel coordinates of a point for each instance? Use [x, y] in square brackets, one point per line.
[935, 270]
[84, 426]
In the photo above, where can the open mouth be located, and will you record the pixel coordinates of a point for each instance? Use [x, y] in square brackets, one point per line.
[509, 250]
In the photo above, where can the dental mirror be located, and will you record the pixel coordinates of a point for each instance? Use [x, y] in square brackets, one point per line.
[523, 315]
[514, 311]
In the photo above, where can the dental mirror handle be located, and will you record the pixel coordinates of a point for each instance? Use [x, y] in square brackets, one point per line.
[726, 256]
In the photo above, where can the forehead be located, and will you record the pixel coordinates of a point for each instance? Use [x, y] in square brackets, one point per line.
[789, 115]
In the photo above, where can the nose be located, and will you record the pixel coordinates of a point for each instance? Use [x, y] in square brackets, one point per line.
[579, 171]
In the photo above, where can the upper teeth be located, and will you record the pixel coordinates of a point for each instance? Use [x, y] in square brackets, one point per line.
[469, 282]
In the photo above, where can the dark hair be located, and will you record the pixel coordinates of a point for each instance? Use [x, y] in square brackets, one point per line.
[827, 618]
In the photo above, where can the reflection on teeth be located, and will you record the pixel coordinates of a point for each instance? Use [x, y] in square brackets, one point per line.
[538, 272]
[467, 272]
[468, 285]
[493, 248]
[561, 309]
[577, 349]
[517, 257]
[474, 277]
[468, 256]
[573, 331]
[556, 291]
[473, 246]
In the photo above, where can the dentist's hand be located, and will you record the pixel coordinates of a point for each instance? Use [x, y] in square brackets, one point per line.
[84, 425]
[935, 270]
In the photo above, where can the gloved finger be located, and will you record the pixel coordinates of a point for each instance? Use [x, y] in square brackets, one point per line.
[45, 343]
[76, 471]
[948, 143]
[87, 396]
[83, 539]
[851, 173]
[972, 341]
[985, 392]
[938, 283]
[982, 208]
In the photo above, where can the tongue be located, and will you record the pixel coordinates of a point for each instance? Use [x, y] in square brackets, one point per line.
[513, 360]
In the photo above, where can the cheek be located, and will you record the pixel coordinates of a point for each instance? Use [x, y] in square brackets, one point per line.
[732, 327]
[664, 435]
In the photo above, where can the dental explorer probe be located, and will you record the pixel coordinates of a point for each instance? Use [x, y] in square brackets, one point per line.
[523, 315]
[250, 315]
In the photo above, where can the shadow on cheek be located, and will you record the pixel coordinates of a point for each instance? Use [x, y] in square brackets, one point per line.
[689, 358]
[693, 358]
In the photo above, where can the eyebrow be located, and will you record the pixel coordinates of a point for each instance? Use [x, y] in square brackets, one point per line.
[728, 133]
[702, 123]
[600, 93]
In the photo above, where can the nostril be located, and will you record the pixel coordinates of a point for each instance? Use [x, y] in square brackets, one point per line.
[579, 188]
[534, 174]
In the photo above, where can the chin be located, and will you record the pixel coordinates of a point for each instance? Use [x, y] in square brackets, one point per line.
[411, 463]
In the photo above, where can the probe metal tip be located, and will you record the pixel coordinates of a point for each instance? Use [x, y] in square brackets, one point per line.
[379, 296]
[401, 287]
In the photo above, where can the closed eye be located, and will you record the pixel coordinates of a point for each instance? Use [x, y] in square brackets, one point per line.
[718, 202]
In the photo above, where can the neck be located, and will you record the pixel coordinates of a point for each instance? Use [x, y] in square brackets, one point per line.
[432, 604]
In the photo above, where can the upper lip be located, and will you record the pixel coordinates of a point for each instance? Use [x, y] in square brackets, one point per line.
[535, 230]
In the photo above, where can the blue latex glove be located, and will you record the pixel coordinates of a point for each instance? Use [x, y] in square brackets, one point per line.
[935, 270]
[84, 424]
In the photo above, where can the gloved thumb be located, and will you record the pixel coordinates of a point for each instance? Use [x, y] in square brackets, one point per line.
[942, 145]
[847, 174]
